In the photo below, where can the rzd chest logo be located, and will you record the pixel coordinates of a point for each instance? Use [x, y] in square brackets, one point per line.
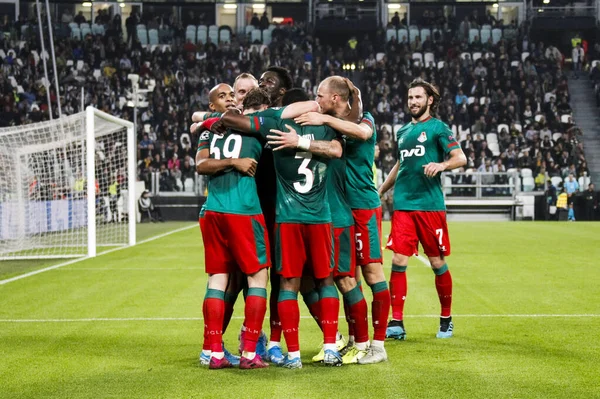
[418, 151]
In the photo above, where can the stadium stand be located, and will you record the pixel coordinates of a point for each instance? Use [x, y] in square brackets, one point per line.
[505, 98]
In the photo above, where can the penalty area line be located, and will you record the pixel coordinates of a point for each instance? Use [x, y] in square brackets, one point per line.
[33, 273]
[160, 319]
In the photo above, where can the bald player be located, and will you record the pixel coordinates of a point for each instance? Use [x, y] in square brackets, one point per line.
[243, 83]
[359, 129]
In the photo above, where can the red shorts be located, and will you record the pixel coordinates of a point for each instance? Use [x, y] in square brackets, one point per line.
[299, 245]
[427, 227]
[232, 241]
[344, 254]
[367, 230]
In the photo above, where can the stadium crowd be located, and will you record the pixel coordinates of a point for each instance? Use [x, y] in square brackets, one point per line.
[506, 99]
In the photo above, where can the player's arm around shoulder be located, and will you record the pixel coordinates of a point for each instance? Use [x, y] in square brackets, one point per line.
[361, 131]
[296, 109]
[290, 139]
[205, 165]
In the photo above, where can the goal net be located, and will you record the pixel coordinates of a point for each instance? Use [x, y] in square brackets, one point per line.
[67, 187]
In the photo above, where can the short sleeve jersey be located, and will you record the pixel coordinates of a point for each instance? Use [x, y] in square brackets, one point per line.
[231, 191]
[360, 156]
[301, 176]
[341, 212]
[419, 144]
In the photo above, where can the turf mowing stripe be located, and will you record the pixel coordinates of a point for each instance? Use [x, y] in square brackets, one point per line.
[302, 317]
[33, 273]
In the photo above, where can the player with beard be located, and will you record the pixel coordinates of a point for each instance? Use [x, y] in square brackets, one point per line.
[419, 207]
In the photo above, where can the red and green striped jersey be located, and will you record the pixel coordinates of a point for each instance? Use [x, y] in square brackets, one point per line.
[360, 156]
[419, 144]
[301, 176]
[231, 191]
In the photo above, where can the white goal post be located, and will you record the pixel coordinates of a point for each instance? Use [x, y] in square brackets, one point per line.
[67, 187]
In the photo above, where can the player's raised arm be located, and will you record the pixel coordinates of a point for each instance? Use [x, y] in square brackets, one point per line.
[280, 140]
[362, 131]
[296, 109]
[357, 107]
[390, 180]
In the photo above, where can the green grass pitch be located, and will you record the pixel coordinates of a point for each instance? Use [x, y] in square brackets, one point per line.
[128, 325]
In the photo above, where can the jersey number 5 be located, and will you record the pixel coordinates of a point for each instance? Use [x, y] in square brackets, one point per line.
[305, 187]
[231, 148]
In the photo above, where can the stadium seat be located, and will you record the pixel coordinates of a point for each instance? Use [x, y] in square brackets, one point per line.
[390, 34]
[518, 127]
[485, 35]
[189, 185]
[2, 54]
[486, 27]
[425, 33]
[403, 36]
[482, 100]
[490, 56]
[465, 56]
[266, 37]
[396, 128]
[470, 100]
[524, 56]
[141, 26]
[565, 118]
[595, 62]
[143, 36]
[256, 35]
[494, 148]
[98, 29]
[526, 172]
[418, 59]
[463, 132]
[496, 35]
[556, 136]
[454, 129]
[272, 27]
[476, 56]
[473, 33]
[556, 181]
[190, 28]
[97, 74]
[153, 37]
[514, 181]
[80, 65]
[538, 117]
[515, 64]
[528, 184]
[36, 56]
[441, 64]
[76, 33]
[447, 185]
[85, 31]
[73, 25]
[584, 182]
[202, 34]
[213, 35]
[429, 58]
[545, 134]
[491, 138]
[502, 126]
[178, 183]
[379, 56]
[190, 36]
[84, 25]
[225, 36]
[248, 29]
[413, 33]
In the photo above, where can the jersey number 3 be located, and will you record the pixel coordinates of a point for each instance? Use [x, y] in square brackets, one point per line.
[231, 148]
[309, 177]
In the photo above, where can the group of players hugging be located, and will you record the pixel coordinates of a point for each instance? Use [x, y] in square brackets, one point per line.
[291, 186]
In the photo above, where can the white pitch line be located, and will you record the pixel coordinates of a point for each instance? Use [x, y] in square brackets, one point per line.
[118, 319]
[116, 269]
[33, 273]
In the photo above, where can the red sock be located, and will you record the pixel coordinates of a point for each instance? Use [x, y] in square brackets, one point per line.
[274, 320]
[330, 311]
[380, 309]
[215, 309]
[256, 307]
[361, 321]
[206, 343]
[443, 285]
[398, 290]
[291, 322]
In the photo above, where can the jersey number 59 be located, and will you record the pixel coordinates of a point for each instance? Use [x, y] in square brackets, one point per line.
[231, 148]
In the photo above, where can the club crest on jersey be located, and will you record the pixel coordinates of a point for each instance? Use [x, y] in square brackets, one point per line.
[422, 138]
